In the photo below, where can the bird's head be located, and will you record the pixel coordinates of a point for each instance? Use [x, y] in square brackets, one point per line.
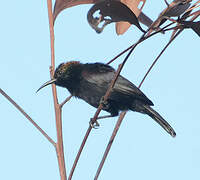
[63, 75]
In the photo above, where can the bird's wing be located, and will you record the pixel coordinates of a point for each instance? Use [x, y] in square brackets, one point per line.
[101, 75]
[98, 75]
[124, 86]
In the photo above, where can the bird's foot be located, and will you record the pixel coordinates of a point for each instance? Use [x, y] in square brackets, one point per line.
[93, 124]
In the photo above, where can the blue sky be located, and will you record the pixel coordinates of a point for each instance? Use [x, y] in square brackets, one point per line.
[142, 149]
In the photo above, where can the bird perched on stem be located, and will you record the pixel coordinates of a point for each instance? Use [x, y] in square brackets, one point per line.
[90, 82]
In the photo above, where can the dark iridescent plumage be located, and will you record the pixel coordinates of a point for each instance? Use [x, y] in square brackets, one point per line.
[90, 83]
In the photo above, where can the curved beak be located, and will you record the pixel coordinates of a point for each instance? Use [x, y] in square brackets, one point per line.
[47, 83]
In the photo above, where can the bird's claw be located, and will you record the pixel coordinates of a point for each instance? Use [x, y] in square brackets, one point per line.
[95, 124]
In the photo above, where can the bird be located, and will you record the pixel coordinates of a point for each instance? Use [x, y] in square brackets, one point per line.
[90, 81]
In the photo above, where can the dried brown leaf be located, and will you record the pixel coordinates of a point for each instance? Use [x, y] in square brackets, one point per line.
[111, 11]
[63, 4]
[122, 27]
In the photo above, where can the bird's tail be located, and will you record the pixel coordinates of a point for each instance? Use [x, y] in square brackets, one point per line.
[158, 118]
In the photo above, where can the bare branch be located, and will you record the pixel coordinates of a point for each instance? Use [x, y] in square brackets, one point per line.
[66, 100]
[159, 57]
[148, 36]
[166, 2]
[194, 6]
[195, 13]
[28, 117]
[79, 152]
[117, 126]
[181, 29]
[59, 144]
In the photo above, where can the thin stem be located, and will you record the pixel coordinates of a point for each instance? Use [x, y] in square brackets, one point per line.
[163, 50]
[195, 5]
[148, 36]
[66, 100]
[181, 29]
[28, 117]
[195, 13]
[166, 3]
[117, 126]
[79, 152]
[59, 144]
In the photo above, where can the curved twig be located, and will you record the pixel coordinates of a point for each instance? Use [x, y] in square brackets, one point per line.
[154, 62]
[65, 101]
[117, 126]
[148, 36]
[28, 117]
